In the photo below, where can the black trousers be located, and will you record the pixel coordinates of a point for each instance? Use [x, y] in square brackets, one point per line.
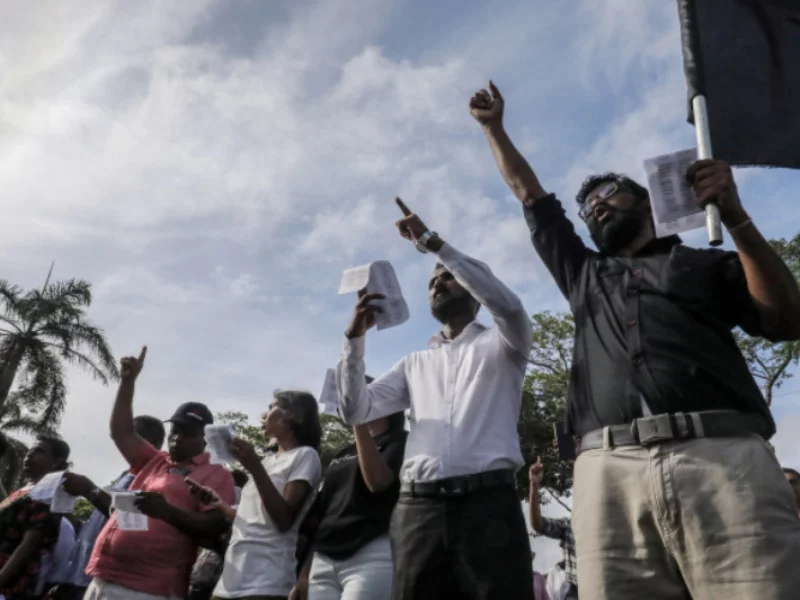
[471, 547]
[572, 593]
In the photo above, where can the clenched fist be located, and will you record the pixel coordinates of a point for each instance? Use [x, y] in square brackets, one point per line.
[486, 107]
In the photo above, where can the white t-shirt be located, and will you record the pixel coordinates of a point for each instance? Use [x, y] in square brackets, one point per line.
[260, 560]
[557, 584]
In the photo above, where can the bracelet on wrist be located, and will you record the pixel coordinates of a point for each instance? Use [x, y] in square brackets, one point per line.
[740, 225]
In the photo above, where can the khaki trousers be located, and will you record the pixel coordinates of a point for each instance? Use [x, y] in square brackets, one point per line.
[711, 518]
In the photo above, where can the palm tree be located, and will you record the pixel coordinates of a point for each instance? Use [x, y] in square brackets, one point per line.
[40, 330]
[13, 451]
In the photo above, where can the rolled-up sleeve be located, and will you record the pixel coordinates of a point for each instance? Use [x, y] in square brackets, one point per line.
[741, 307]
[360, 402]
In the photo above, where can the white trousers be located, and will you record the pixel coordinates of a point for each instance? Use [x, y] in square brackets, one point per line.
[367, 575]
[102, 590]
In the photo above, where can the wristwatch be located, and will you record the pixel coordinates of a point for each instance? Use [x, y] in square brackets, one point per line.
[422, 243]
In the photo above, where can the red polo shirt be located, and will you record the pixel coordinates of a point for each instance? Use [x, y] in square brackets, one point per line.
[158, 561]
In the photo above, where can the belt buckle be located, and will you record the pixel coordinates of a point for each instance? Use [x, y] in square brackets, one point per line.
[452, 488]
[652, 430]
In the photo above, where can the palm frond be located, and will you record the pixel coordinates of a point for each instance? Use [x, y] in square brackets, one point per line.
[76, 292]
[42, 388]
[10, 410]
[25, 424]
[55, 403]
[86, 362]
[9, 297]
[95, 356]
[11, 463]
[13, 324]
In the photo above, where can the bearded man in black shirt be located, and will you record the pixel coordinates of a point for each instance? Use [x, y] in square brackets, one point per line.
[677, 493]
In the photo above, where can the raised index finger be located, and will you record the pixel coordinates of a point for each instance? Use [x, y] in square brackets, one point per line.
[402, 205]
[495, 92]
[142, 354]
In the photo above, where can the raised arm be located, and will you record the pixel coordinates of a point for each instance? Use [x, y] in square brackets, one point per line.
[535, 478]
[504, 305]
[552, 234]
[131, 445]
[359, 402]
[487, 109]
[771, 285]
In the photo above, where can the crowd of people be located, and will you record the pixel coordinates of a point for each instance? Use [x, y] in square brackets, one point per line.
[677, 493]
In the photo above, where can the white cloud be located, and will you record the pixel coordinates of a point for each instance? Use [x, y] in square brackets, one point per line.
[213, 191]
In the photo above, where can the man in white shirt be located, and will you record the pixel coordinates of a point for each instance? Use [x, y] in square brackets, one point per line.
[458, 529]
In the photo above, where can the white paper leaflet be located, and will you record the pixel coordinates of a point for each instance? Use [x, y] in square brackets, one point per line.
[46, 487]
[218, 439]
[329, 398]
[378, 277]
[62, 503]
[674, 204]
[128, 515]
[49, 491]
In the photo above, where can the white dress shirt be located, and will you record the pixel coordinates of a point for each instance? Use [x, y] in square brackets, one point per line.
[464, 394]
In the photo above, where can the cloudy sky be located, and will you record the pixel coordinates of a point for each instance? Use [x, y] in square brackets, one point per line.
[212, 167]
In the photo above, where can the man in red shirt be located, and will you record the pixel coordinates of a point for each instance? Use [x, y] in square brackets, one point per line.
[156, 563]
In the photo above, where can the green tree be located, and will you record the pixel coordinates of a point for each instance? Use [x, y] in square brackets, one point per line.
[40, 330]
[770, 363]
[335, 434]
[241, 427]
[83, 509]
[544, 396]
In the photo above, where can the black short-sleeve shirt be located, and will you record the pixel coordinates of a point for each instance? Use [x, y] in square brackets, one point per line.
[655, 327]
[350, 515]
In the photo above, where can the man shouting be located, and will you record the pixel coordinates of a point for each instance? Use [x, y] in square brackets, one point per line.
[677, 494]
[458, 529]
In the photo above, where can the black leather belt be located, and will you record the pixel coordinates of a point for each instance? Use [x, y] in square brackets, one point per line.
[457, 486]
[676, 426]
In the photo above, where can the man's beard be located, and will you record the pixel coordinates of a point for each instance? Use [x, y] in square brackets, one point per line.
[618, 230]
[445, 307]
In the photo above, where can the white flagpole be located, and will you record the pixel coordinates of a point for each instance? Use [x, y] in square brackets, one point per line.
[700, 111]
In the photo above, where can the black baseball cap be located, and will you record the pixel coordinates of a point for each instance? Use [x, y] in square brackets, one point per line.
[192, 413]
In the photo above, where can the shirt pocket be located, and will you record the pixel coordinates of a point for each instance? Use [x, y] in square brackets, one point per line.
[607, 290]
[689, 277]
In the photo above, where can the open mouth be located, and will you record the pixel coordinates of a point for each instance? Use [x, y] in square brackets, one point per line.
[601, 214]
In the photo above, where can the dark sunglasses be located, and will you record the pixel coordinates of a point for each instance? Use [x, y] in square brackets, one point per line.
[604, 192]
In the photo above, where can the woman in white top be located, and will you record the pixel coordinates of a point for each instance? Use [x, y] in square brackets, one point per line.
[260, 560]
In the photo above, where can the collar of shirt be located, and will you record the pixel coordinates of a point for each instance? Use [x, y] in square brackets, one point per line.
[469, 332]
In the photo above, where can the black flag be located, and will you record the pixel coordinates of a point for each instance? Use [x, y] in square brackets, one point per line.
[744, 57]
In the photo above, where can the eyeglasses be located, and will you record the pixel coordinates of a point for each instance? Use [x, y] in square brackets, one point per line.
[603, 193]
